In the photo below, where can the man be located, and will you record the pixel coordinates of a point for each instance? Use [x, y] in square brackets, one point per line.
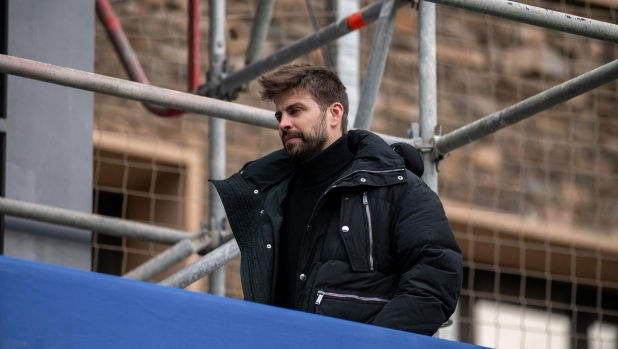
[333, 223]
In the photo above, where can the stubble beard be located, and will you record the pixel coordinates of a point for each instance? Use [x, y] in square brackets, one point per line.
[310, 145]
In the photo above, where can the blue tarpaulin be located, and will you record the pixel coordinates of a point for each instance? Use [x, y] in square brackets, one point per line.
[46, 306]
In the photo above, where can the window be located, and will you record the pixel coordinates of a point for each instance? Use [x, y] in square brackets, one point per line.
[602, 335]
[509, 326]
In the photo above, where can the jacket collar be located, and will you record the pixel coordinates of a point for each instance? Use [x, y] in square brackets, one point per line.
[372, 156]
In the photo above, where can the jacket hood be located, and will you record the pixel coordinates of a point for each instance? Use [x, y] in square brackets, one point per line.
[372, 152]
[411, 156]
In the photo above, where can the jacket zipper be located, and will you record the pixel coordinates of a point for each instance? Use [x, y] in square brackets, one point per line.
[366, 204]
[345, 176]
[321, 295]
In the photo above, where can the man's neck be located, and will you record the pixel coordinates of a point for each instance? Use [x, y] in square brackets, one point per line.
[327, 163]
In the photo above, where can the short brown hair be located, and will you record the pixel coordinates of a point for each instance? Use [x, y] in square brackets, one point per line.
[322, 84]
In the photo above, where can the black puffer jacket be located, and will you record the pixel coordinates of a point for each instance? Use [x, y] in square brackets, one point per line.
[378, 248]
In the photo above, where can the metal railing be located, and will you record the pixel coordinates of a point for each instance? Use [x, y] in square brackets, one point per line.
[184, 243]
[102, 224]
[433, 145]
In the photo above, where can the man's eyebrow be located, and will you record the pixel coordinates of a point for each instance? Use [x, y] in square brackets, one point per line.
[294, 105]
[291, 106]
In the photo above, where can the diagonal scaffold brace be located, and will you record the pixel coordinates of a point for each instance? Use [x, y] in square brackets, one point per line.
[233, 82]
[377, 63]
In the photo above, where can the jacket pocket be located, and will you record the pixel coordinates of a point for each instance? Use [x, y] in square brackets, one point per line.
[355, 231]
[349, 306]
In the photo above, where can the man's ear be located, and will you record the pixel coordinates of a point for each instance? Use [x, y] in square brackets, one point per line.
[336, 111]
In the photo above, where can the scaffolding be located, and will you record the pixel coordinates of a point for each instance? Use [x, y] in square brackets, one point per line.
[213, 99]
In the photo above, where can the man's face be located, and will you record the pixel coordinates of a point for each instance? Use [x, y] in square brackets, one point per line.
[302, 125]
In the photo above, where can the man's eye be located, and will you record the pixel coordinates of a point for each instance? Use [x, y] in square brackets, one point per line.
[295, 110]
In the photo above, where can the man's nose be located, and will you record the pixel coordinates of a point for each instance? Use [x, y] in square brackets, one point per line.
[285, 122]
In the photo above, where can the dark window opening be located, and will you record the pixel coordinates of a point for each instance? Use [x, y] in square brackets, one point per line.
[108, 258]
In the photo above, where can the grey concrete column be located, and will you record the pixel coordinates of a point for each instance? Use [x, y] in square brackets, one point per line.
[49, 129]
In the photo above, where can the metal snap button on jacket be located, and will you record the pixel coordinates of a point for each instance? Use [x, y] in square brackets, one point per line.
[303, 277]
[345, 229]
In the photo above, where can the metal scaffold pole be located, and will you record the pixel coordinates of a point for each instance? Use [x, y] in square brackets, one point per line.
[526, 108]
[169, 257]
[538, 16]
[204, 266]
[259, 30]
[428, 101]
[216, 148]
[348, 58]
[136, 91]
[234, 81]
[328, 59]
[129, 59]
[259, 117]
[101, 224]
[145, 93]
[376, 65]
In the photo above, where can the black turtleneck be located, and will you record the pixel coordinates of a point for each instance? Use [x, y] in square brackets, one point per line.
[311, 179]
